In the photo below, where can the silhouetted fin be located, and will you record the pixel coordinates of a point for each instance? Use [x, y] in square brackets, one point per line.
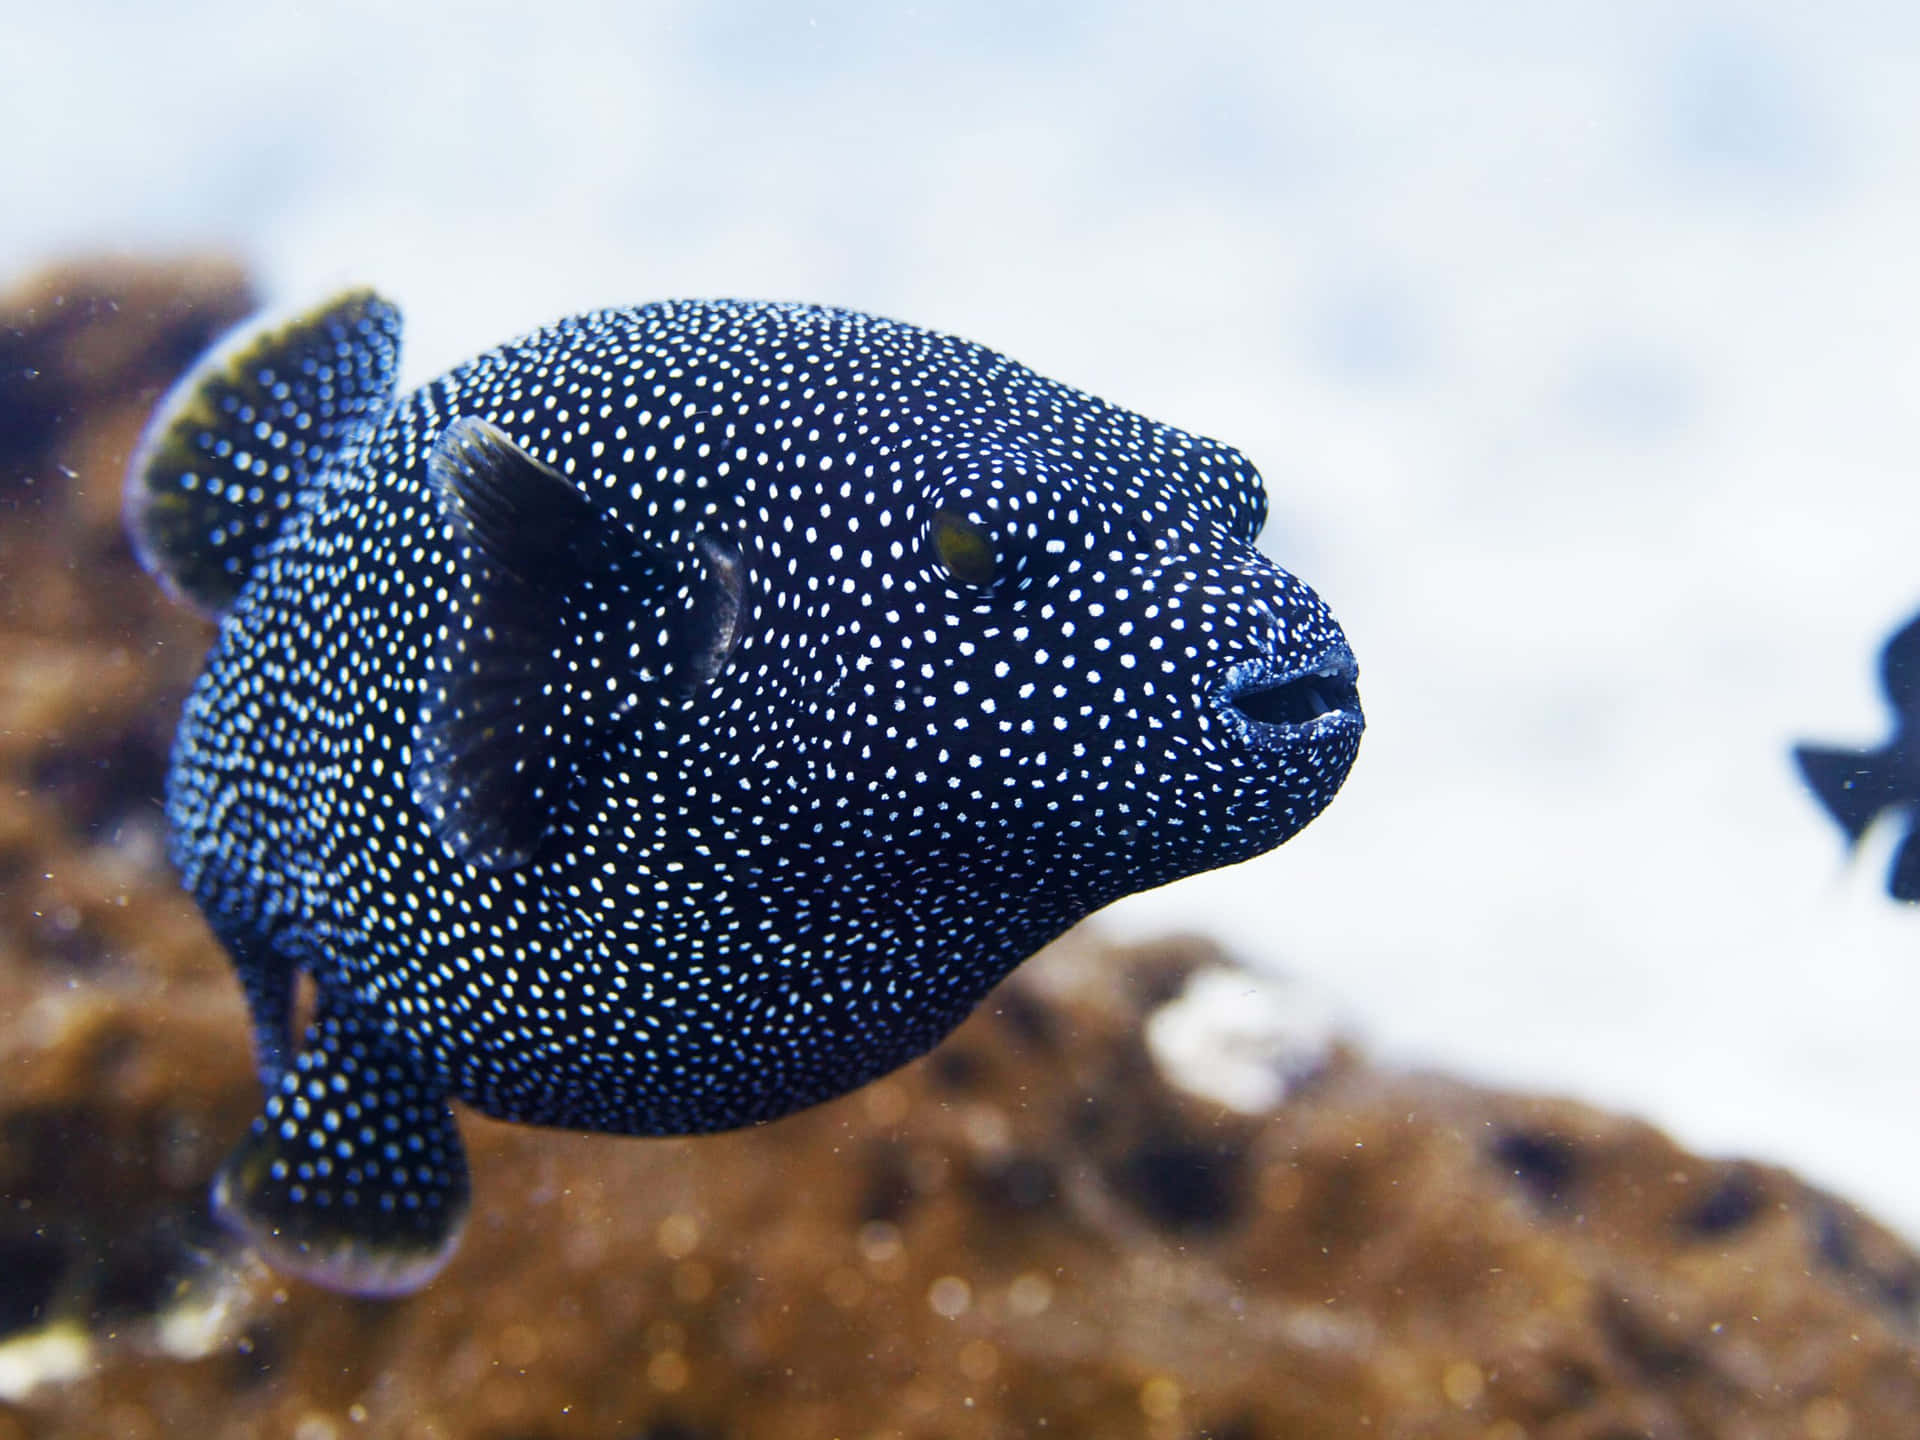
[1900, 669]
[1903, 876]
[1854, 785]
[542, 570]
[246, 430]
[353, 1177]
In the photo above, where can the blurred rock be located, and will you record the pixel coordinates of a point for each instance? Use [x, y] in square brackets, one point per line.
[1035, 1230]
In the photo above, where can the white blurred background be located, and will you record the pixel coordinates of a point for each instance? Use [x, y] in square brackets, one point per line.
[1577, 343]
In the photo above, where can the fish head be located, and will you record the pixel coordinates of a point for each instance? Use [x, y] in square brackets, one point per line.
[1082, 642]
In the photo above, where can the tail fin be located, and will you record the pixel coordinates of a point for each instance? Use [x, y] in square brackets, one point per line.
[244, 432]
[1854, 785]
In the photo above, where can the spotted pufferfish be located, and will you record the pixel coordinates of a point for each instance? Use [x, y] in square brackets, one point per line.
[677, 717]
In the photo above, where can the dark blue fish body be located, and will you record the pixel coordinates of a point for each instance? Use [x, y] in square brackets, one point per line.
[1858, 786]
[681, 716]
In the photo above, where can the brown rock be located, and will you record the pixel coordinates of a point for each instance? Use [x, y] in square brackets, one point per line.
[1031, 1232]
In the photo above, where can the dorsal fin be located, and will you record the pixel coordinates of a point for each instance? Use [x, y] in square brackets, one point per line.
[543, 577]
[254, 422]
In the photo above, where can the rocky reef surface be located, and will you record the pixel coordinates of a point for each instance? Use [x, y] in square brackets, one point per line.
[1053, 1225]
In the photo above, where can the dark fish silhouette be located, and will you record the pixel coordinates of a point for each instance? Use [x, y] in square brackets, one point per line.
[1857, 786]
[680, 716]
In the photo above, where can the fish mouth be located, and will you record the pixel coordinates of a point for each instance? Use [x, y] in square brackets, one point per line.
[1270, 704]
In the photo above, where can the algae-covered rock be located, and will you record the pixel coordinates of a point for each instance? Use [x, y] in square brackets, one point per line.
[1042, 1229]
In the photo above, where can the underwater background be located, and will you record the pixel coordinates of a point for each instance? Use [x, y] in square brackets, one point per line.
[1576, 345]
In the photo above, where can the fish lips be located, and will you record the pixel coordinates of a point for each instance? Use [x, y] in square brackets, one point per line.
[1272, 705]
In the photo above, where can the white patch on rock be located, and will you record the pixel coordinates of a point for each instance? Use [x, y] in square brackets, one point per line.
[53, 1353]
[1242, 1039]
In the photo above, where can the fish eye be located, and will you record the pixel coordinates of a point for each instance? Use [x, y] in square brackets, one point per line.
[965, 550]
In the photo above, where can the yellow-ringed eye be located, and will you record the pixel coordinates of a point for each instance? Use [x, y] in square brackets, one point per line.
[964, 549]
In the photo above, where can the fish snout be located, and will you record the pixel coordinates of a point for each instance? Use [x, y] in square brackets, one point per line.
[1300, 684]
[1269, 705]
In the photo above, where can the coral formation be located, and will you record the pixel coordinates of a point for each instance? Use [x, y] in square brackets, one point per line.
[1037, 1229]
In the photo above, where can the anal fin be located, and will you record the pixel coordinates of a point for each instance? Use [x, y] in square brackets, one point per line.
[353, 1176]
[270, 980]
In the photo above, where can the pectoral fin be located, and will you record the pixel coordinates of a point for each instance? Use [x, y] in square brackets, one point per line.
[547, 588]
